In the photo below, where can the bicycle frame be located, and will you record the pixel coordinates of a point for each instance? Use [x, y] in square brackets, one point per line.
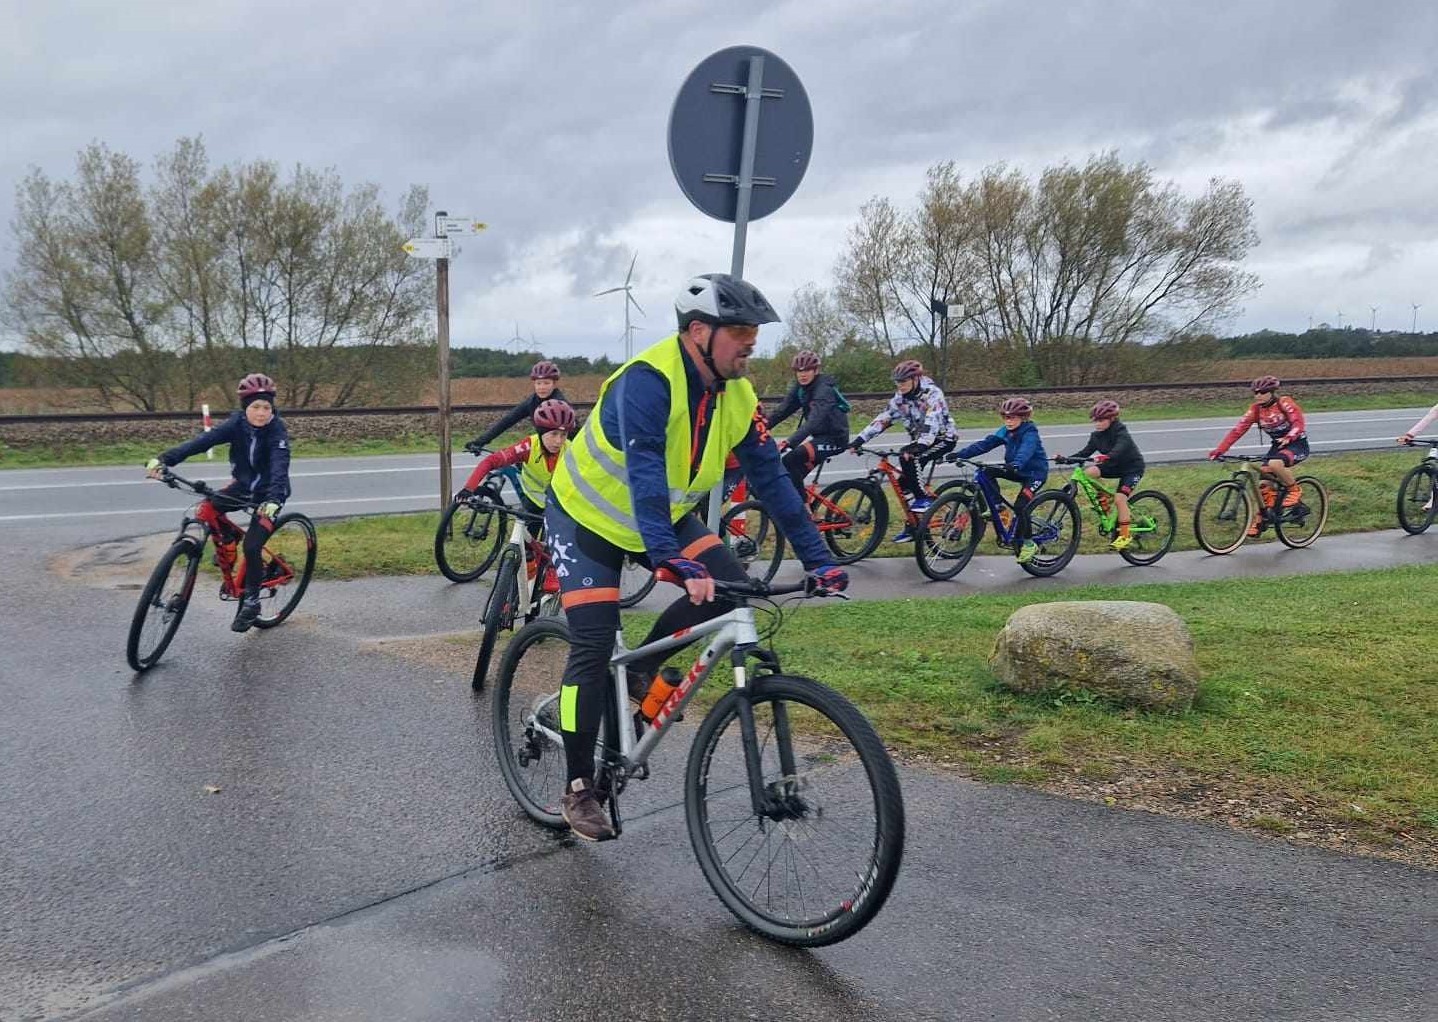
[995, 501]
[733, 633]
[885, 470]
[211, 521]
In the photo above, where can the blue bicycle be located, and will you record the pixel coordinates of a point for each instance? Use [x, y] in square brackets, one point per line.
[950, 530]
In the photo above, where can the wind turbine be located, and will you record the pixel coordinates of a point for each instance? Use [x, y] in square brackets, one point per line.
[516, 340]
[628, 288]
[1416, 307]
[1373, 324]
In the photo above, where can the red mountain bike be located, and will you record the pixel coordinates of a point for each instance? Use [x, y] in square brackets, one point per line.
[288, 562]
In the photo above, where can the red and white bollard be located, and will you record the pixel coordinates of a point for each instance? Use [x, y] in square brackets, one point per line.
[205, 410]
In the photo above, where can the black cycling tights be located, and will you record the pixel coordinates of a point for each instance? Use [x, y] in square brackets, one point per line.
[256, 536]
[588, 567]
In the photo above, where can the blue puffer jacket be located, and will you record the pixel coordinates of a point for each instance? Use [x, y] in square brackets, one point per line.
[259, 458]
[1023, 450]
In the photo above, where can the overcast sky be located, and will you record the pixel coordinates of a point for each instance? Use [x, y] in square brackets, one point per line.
[549, 122]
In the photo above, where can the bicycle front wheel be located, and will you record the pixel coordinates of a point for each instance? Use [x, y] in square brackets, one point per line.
[1054, 526]
[288, 562]
[498, 612]
[1153, 523]
[469, 536]
[162, 604]
[1298, 526]
[753, 538]
[947, 535]
[1418, 498]
[816, 862]
[525, 719]
[852, 518]
[1221, 517]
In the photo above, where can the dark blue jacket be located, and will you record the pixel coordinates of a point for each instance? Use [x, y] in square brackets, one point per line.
[635, 419]
[1022, 449]
[259, 458]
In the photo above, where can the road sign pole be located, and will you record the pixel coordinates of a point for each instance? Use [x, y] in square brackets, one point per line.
[752, 98]
[441, 278]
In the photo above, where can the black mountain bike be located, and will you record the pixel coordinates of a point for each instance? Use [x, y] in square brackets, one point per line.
[1418, 493]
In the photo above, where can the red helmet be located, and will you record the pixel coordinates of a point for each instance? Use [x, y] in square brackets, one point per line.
[804, 361]
[909, 369]
[1105, 409]
[545, 370]
[256, 385]
[1265, 383]
[553, 414]
[1016, 406]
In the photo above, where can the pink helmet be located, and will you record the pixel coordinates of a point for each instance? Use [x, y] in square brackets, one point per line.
[909, 369]
[804, 361]
[1016, 406]
[1265, 383]
[256, 385]
[553, 414]
[1105, 409]
[545, 370]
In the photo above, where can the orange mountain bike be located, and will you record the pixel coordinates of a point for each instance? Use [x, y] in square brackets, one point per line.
[288, 562]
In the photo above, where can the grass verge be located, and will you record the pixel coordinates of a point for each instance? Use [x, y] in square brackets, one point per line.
[1320, 718]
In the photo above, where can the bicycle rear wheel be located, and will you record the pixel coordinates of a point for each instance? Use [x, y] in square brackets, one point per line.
[1054, 526]
[636, 581]
[754, 538]
[525, 718]
[162, 604]
[469, 536]
[948, 533]
[855, 526]
[288, 562]
[1153, 523]
[1221, 517]
[1300, 525]
[499, 612]
[1419, 487]
[816, 866]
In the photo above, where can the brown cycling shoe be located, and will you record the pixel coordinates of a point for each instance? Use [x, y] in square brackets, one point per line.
[582, 811]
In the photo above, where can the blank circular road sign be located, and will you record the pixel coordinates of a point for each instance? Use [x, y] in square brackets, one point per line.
[706, 133]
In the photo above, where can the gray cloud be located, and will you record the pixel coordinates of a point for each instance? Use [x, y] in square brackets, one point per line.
[549, 121]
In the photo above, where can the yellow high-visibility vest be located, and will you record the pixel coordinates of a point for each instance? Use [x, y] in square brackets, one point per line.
[591, 482]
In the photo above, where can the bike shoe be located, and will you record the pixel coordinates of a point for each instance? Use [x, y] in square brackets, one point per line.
[245, 616]
[919, 504]
[1027, 551]
[906, 536]
[1121, 543]
[582, 811]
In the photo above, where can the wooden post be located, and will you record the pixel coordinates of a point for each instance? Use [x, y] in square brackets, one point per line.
[446, 490]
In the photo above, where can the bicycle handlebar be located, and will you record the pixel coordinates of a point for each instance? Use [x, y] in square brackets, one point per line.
[752, 587]
[175, 481]
[1422, 441]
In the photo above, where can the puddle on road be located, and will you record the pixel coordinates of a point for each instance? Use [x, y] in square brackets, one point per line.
[119, 564]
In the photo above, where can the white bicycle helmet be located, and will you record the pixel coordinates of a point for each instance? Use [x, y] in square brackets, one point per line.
[722, 300]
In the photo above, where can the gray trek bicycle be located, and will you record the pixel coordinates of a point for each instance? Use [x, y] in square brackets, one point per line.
[792, 803]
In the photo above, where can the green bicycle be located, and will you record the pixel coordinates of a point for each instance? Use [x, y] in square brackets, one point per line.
[1153, 521]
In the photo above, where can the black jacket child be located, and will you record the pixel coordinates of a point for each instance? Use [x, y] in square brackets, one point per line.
[259, 458]
[823, 413]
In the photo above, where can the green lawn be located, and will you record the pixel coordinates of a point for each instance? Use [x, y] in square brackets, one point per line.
[132, 453]
[1321, 688]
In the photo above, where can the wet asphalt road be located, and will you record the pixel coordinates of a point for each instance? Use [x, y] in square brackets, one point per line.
[361, 859]
[326, 487]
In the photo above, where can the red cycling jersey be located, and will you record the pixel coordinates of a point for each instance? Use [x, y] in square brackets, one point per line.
[1282, 420]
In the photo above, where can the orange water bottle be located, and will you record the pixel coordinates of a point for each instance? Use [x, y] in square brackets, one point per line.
[665, 682]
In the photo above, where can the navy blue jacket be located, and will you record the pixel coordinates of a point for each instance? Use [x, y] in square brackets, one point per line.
[635, 419]
[821, 417]
[1022, 449]
[259, 458]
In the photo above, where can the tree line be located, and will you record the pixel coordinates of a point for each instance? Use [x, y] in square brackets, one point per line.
[1070, 276]
[156, 295]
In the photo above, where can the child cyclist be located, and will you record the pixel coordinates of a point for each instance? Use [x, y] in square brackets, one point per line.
[545, 379]
[919, 404]
[260, 471]
[1412, 434]
[1024, 462]
[823, 419]
[1282, 420]
[535, 456]
[1115, 456]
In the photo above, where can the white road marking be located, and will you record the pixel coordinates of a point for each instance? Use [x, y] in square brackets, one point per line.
[172, 509]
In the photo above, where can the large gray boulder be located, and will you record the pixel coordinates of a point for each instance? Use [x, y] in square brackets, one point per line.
[1136, 654]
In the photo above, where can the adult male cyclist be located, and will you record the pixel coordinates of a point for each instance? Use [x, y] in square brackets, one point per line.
[654, 445]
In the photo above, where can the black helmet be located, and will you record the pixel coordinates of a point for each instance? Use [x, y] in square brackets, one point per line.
[722, 300]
